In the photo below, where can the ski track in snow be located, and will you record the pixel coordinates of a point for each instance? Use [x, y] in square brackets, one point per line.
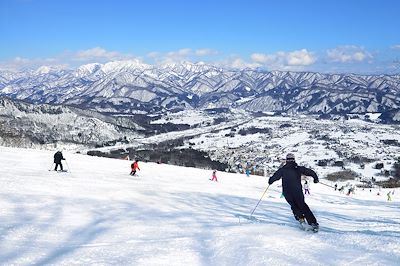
[97, 214]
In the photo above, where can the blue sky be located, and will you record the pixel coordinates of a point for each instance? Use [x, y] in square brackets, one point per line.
[328, 36]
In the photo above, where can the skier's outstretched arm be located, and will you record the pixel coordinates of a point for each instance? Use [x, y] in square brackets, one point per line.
[276, 176]
[309, 172]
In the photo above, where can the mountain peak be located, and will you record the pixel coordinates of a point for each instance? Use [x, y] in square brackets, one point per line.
[43, 70]
[133, 64]
[188, 66]
[89, 68]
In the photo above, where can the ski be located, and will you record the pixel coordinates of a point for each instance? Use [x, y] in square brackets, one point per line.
[252, 219]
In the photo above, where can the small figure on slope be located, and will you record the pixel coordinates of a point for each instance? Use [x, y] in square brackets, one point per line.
[248, 172]
[214, 176]
[351, 190]
[306, 188]
[134, 167]
[292, 189]
[58, 156]
[389, 198]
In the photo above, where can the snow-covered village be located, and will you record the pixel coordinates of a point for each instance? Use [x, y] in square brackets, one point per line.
[211, 133]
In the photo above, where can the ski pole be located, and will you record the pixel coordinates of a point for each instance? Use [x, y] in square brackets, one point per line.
[51, 166]
[69, 169]
[259, 201]
[326, 185]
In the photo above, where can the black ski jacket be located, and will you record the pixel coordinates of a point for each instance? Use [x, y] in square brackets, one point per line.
[58, 157]
[291, 177]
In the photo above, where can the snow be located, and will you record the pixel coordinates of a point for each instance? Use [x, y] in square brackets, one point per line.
[172, 83]
[133, 64]
[97, 214]
[43, 70]
[190, 117]
[7, 89]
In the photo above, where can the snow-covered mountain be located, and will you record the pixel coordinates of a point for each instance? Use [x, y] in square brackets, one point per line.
[96, 214]
[131, 86]
[28, 125]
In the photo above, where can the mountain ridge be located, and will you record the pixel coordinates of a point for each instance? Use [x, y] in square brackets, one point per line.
[132, 87]
[30, 125]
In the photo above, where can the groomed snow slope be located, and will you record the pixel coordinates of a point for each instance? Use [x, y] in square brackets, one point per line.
[99, 215]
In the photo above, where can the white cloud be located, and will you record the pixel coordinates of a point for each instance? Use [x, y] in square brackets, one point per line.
[153, 55]
[184, 54]
[348, 54]
[67, 59]
[396, 47]
[262, 58]
[20, 60]
[293, 60]
[205, 52]
[300, 58]
[240, 63]
[98, 53]
[15, 64]
[336, 60]
[19, 63]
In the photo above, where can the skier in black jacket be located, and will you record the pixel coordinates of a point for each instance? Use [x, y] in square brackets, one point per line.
[58, 156]
[292, 189]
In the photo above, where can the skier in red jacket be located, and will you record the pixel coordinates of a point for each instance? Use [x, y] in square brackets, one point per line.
[214, 176]
[134, 166]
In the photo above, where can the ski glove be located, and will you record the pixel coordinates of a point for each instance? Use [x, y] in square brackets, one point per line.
[316, 181]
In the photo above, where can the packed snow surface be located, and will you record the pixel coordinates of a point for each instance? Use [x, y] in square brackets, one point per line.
[96, 214]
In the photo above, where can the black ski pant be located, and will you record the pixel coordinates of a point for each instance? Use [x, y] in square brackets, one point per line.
[299, 208]
[133, 172]
[58, 164]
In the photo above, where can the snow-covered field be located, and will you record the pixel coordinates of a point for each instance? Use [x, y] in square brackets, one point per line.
[97, 214]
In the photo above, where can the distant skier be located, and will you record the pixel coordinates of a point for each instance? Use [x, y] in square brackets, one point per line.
[292, 189]
[58, 156]
[306, 188]
[134, 167]
[248, 172]
[214, 176]
[351, 190]
[389, 198]
[335, 187]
